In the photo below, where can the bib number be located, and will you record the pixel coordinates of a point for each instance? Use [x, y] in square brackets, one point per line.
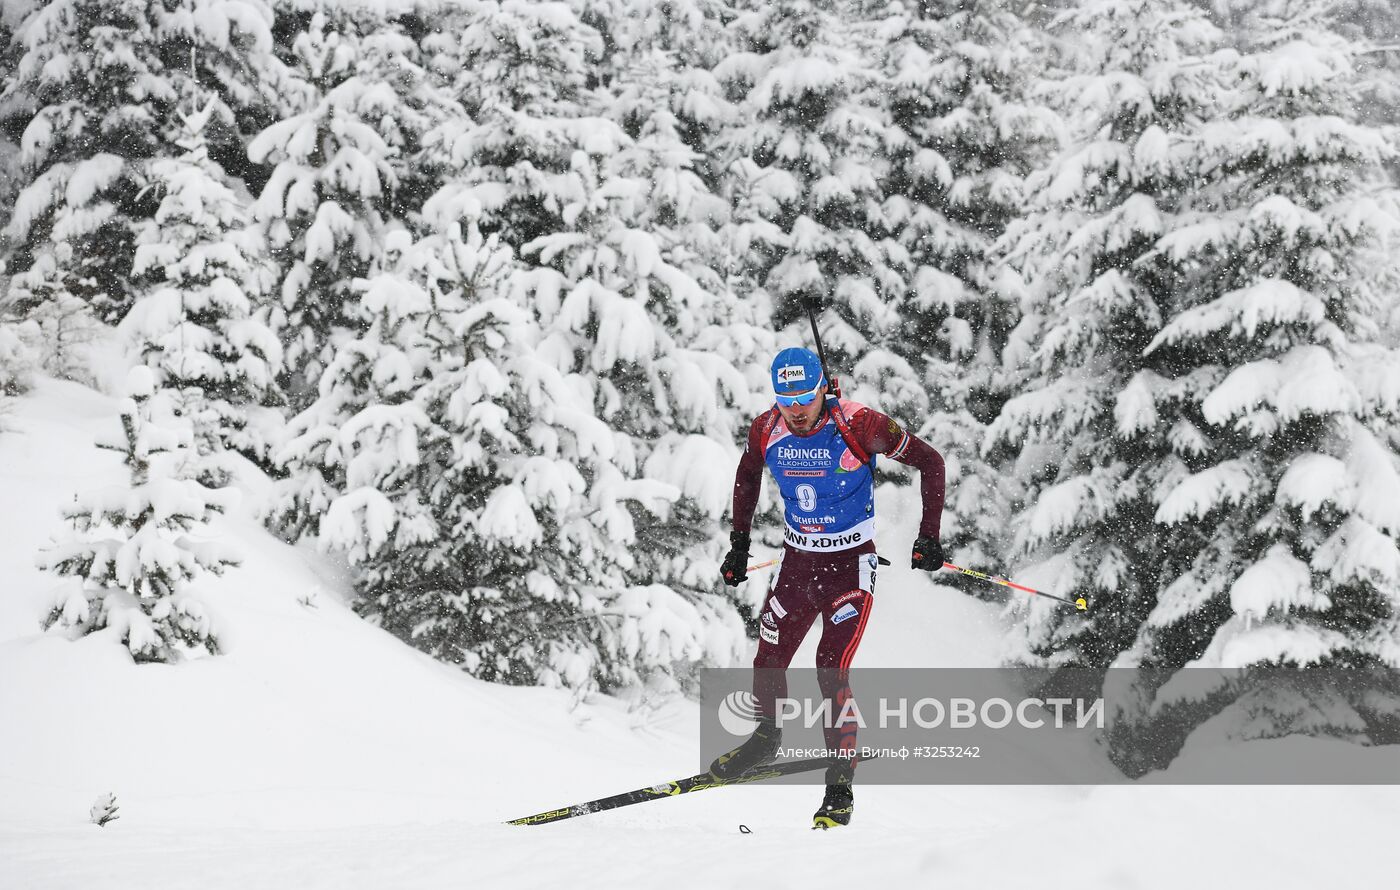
[806, 498]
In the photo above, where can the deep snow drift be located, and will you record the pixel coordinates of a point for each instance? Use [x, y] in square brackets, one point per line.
[320, 752]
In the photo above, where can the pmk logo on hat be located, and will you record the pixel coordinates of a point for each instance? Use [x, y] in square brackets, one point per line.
[792, 374]
[796, 368]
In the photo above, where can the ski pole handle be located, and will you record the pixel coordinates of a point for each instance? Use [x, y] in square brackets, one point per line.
[1078, 602]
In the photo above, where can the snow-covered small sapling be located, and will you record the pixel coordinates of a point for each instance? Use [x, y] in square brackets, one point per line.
[105, 810]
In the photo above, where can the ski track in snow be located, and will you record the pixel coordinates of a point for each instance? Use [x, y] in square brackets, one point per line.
[319, 752]
[1124, 838]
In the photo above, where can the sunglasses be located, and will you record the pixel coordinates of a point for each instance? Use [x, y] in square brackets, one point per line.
[802, 398]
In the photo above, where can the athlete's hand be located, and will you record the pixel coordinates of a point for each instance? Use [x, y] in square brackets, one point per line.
[735, 568]
[928, 554]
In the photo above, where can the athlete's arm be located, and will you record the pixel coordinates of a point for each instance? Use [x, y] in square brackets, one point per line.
[749, 477]
[880, 434]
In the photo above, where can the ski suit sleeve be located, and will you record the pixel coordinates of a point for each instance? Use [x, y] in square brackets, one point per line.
[749, 477]
[880, 434]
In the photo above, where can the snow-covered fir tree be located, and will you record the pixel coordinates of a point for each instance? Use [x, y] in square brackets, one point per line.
[342, 159]
[10, 167]
[515, 573]
[645, 312]
[1207, 270]
[479, 496]
[693, 32]
[1089, 458]
[1374, 25]
[1284, 514]
[223, 50]
[663, 53]
[198, 324]
[520, 71]
[374, 374]
[94, 92]
[18, 356]
[90, 86]
[133, 555]
[600, 194]
[404, 101]
[804, 160]
[67, 327]
[957, 78]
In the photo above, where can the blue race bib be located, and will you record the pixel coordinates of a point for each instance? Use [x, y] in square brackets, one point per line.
[828, 494]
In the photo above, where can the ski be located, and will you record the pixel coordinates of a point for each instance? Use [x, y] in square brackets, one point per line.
[698, 782]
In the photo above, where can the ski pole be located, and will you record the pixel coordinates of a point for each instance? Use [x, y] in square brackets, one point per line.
[1078, 602]
[773, 562]
[821, 353]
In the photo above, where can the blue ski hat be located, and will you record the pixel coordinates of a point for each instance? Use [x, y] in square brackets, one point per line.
[797, 370]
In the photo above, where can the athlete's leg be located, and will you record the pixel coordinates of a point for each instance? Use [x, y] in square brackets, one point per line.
[843, 623]
[844, 617]
[786, 617]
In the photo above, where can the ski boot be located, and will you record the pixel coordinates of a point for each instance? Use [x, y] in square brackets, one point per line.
[757, 749]
[839, 800]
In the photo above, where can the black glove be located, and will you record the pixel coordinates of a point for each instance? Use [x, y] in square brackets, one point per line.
[928, 554]
[735, 568]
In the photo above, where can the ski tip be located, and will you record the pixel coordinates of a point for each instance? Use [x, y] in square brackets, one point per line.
[543, 818]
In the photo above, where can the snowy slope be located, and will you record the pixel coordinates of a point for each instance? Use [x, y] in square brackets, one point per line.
[311, 718]
[320, 752]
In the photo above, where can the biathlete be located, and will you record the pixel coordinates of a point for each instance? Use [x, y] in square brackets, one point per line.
[821, 451]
